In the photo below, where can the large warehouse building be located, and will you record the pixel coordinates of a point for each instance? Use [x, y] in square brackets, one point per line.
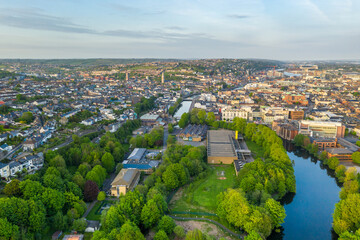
[220, 147]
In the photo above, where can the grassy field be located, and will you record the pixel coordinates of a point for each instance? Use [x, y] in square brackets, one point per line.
[258, 151]
[200, 196]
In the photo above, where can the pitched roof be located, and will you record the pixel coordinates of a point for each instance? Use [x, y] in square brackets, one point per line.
[125, 177]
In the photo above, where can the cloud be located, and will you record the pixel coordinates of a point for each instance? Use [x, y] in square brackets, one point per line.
[176, 28]
[237, 16]
[35, 19]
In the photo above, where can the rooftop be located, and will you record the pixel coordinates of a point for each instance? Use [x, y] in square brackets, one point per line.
[220, 143]
[125, 177]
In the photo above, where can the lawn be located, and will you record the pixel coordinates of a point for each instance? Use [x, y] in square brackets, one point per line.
[258, 151]
[200, 196]
[95, 214]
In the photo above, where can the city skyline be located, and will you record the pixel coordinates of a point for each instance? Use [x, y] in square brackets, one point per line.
[276, 29]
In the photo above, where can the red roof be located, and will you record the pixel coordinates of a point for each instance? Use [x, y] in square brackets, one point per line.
[2, 102]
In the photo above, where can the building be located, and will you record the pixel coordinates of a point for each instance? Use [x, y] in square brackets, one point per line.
[4, 170]
[296, 99]
[163, 77]
[348, 145]
[195, 133]
[125, 181]
[296, 114]
[220, 147]
[74, 237]
[325, 143]
[286, 131]
[319, 129]
[149, 119]
[142, 159]
[230, 114]
[342, 154]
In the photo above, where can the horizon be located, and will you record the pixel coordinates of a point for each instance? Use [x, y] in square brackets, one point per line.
[309, 30]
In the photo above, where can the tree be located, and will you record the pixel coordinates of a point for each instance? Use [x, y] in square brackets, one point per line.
[347, 214]
[58, 162]
[31, 189]
[129, 231]
[170, 128]
[167, 224]
[37, 216]
[150, 214]
[233, 206]
[53, 200]
[8, 230]
[210, 118]
[161, 235]
[101, 196]
[253, 235]
[27, 117]
[333, 162]
[79, 224]
[356, 157]
[118, 168]
[179, 231]
[108, 162]
[12, 188]
[276, 211]
[91, 191]
[195, 234]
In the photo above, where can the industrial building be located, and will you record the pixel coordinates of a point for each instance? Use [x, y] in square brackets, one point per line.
[125, 181]
[195, 133]
[142, 159]
[225, 147]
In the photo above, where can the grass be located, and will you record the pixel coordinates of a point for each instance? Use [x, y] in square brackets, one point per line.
[257, 150]
[200, 196]
[94, 214]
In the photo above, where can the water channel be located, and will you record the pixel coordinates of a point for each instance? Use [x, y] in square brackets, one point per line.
[309, 211]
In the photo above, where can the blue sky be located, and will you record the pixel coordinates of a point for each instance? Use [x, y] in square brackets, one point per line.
[272, 29]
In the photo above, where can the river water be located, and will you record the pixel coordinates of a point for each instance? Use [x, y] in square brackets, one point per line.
[309, 211]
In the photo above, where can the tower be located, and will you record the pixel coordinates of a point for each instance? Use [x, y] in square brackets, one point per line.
[127, 76]
[163, 77]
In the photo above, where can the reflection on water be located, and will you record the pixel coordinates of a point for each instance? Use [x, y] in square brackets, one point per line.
[309, 211]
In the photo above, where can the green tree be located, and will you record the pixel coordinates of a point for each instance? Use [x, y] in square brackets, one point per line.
[108, 162]
[150, 214]
[37, 216]
[27, 117]
[161, 235]
[167, 224]
[276, 211]
[356, 157]
[333, 162]
[53, 200]
[129, 231]
[101, 196]
[210, 118]
[31, 189]
[12, 188]
[348, 188]
[58, 162]
[253, 235]
[340, 172]
[79, 224]
[170, 128]
[179, 231]
[8, 230]
[347, 214]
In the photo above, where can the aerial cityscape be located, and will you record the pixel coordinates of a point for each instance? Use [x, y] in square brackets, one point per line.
[180, 120]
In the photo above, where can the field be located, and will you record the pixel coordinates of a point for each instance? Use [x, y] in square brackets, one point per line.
[200, 196]
[258, 151]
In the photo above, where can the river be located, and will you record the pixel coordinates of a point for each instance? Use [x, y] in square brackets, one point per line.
[309, 211]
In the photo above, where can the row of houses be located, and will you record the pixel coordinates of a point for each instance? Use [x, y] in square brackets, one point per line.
[29, 162]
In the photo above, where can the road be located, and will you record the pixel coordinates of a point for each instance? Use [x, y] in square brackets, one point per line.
[208, 220]
[12, 152]
[70, 140]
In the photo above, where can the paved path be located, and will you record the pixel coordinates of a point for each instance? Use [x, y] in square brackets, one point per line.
[209, 220]
[91, 205]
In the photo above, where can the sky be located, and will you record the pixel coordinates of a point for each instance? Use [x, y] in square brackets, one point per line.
[186, 29]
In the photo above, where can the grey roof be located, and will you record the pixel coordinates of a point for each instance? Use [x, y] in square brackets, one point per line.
[220, 143]
[149, 117]
[125, 177]
[137, 154]
[338, 151]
